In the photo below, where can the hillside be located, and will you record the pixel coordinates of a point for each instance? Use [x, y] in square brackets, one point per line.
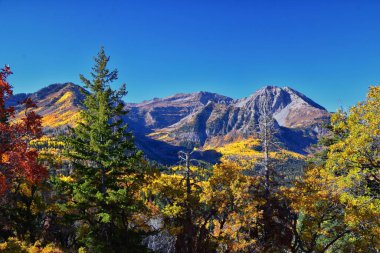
[59, 104]
[298, 120]
[208, 120]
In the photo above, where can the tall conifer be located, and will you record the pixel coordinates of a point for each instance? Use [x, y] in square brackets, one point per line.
[106, 167]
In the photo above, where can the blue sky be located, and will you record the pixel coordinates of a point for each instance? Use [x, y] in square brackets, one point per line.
[328, 50]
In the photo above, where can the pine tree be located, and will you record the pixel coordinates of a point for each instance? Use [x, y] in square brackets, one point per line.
[107, 168]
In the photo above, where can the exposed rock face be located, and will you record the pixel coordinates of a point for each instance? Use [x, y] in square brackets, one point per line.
[162, 125]
[289, 107]
[216, 122]
[162, 241]
[163, 112]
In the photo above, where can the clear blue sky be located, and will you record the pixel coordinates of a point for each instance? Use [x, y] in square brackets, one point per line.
[329, 50]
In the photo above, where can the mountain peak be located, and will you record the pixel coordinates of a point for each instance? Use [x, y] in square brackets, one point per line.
[213, 123]
[58, 103]
[185, 99]
[203, 117]
[284, 94]
[163, 112]
[206, 97]
[269, 88]
[289, 107]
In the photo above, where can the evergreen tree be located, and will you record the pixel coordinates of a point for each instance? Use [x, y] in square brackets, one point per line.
[107, 168]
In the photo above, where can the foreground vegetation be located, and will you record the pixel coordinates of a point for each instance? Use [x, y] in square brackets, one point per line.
[91, 190]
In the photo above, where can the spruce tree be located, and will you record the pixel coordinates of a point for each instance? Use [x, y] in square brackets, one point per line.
[106, 168]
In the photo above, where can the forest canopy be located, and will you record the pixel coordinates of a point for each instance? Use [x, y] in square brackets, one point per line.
[90, 189]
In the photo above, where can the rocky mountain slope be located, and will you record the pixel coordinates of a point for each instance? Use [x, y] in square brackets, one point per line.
[59, 104]
[163, 112]
[204, 119]
[298, 119]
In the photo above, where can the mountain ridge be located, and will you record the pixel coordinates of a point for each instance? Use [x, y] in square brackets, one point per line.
[291, 110]
[201, 118]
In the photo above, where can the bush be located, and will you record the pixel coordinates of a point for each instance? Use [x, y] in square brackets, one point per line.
[13, 245]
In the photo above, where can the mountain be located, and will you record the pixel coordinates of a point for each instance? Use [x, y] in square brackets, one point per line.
[59, 104]
[298, 119]
[290, 108]
[163, 112]
[208, 120]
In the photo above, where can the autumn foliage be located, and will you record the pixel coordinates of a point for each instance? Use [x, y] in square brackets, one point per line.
[17, 160]
[102, 195]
